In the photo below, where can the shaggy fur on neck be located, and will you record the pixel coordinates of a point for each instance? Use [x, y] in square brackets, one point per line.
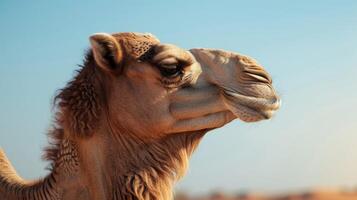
[154, 168]
[78, 108]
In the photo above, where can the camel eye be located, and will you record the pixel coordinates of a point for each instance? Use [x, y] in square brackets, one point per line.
[170, 70]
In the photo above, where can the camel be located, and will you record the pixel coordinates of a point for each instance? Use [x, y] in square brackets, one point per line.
[127, 124]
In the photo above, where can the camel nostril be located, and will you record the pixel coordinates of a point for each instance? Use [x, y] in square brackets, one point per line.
[259, 75]
[266, 76]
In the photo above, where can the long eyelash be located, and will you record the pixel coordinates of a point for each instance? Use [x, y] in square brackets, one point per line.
[184, 81]
[169, 81]
[188, 77]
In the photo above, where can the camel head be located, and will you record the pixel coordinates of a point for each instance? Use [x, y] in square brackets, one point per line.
[156, 89]
[130, 119]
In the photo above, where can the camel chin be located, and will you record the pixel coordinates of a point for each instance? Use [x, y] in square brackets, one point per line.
[251, 109]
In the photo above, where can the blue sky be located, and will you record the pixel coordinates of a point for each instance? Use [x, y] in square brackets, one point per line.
[309, 47]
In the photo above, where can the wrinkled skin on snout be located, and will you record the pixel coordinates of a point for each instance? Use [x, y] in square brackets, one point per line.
[175, 90]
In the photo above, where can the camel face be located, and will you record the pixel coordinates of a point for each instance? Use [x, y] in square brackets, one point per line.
[161, 89]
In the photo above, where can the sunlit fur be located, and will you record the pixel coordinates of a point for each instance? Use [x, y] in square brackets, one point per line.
[121, 133]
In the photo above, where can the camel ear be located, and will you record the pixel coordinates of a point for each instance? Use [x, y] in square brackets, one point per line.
[107, 51]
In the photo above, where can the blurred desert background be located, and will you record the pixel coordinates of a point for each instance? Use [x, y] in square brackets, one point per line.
[307, 151]
[317, 194]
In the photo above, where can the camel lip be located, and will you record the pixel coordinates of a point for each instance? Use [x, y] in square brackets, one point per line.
[244, 106]
[249, 114]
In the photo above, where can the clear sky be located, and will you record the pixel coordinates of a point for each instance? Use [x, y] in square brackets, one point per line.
[309, 47]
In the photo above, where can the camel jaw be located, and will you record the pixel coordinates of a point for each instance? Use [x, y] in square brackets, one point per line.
[251, 109]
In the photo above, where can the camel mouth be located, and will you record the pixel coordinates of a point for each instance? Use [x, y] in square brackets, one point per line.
[249, 108]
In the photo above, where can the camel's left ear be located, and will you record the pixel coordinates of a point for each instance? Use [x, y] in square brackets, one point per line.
[107, 51]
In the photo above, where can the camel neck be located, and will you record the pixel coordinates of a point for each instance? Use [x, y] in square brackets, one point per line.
[99, 168]
[127, 169]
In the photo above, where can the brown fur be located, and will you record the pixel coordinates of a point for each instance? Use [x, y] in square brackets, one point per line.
[79, 103]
